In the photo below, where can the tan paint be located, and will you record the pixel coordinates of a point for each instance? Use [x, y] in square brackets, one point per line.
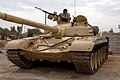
[20, 43]
[80, 45]
[17, 44]
[60, 29]
[58, 45]
[18, 20]
[77, 31]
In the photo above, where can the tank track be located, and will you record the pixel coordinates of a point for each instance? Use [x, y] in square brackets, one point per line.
[85, 62]
[21, 61]
[90, 62]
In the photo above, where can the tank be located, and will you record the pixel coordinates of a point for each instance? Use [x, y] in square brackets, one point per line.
[76, 42]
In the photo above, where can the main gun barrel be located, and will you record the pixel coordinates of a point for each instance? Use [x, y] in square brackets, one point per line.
[18, 20]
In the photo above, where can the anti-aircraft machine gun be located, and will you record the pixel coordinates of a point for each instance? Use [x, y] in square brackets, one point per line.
[75, 43]
[52, 16]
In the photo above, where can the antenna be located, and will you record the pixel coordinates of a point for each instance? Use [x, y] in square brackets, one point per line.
[45, 14]
[119, 27]
[75, 8]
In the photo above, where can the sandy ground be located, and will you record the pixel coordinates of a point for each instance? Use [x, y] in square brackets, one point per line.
[110, 70]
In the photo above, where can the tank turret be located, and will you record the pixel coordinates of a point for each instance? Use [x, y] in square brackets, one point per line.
[81, 27]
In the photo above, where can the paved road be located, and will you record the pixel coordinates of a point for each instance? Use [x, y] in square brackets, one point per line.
[8, 71]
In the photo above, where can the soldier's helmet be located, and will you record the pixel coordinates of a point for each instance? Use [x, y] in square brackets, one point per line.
[64, 10]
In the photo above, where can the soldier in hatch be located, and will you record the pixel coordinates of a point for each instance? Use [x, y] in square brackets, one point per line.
[64, 17]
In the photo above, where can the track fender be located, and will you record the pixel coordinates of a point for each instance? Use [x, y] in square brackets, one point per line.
[80, 45]
[17, 44]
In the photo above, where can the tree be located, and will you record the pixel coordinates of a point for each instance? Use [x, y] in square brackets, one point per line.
[32, 32]
[1, 30]
[19, 31]
[13, 29]
[111, 30]
[4, 33]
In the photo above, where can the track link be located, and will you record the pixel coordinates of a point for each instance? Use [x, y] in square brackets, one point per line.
[90, 62]
[20, 61]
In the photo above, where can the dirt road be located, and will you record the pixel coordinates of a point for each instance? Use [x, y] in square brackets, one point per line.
[8, 71]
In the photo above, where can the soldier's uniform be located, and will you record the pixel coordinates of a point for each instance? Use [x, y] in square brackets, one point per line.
[65, 17]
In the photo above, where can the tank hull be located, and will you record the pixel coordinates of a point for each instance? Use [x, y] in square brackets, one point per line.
[87, 62]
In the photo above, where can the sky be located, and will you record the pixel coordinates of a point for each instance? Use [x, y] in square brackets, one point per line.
[102, 13]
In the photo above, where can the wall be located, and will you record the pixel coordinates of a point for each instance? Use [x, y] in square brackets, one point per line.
[114, 43]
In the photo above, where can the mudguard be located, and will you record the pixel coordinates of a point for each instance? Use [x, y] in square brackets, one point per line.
[20, 43]
[17, 44]
[80, 45]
